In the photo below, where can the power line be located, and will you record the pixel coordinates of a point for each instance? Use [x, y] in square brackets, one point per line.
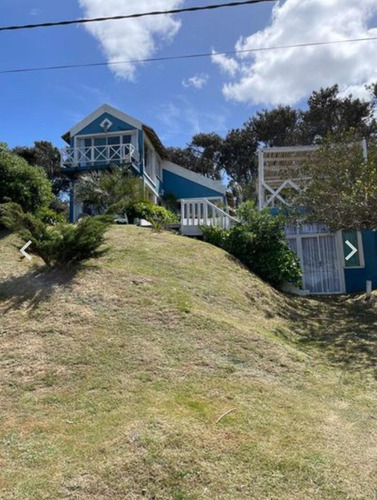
[184, 56]
[132, 16]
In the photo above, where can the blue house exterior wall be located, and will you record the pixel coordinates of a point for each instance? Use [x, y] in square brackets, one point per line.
[185, 188]
[356, 278]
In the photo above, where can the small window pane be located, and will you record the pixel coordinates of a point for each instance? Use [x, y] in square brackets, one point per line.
[313, 229]
[113, 140]
[100, 141]
[290, 230]
[127, 139]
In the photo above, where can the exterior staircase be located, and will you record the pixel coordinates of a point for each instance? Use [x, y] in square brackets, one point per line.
[197, 212]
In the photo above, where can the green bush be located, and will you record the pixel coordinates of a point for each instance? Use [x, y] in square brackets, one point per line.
[21, 183]
[62, 245]
[152, 213]
[50, 217]
[259, 242]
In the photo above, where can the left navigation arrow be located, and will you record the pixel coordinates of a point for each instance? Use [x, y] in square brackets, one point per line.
[23, 250]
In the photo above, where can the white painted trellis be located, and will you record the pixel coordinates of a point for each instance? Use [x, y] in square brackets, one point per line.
[278, 170]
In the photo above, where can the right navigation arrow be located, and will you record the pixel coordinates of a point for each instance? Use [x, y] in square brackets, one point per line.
[354, 250]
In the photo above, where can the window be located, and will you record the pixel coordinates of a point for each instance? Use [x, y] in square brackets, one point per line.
[354, 237]
[113, 140]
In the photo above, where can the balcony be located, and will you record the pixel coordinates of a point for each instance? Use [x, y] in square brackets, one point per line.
[83, 158]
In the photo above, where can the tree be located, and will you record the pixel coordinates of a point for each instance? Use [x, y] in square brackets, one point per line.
[21, 183]
[340, 190]
[43, 154]
[238, 155]
[201, 155]
[329, 114]
[207, 148]
[277, 127]
[184, 157]
[110, 191]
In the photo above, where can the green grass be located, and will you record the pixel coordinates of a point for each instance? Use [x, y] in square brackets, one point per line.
[112, 380]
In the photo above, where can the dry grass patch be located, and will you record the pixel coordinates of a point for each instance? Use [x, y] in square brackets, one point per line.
[112, 380]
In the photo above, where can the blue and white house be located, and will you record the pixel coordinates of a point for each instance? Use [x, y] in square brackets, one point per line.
[325, 257]
[110, 137]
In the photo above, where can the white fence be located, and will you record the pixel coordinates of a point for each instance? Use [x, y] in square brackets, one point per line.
[197, 212]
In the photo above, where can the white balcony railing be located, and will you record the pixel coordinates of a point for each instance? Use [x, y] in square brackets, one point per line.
[197, 212]
[92, 155]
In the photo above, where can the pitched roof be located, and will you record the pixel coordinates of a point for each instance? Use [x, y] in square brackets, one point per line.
[106, 108]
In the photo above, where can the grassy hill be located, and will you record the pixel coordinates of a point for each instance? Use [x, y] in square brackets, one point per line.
[112, 380]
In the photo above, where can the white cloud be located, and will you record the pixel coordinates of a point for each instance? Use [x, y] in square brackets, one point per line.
[288, 75]
[227, 65]
[35, 12]
[130, 39]
[197, 81]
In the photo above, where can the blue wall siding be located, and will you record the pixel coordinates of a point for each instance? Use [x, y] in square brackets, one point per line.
[184, 188]
[356, 278]
[95, 126]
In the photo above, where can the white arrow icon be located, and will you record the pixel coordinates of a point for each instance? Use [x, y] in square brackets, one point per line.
[23, 250]
[354, 250]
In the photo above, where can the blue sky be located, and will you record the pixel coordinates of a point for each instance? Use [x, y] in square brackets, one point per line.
[44, 105]
[177, 98]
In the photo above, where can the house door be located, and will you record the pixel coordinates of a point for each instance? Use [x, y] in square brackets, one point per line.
[320, 262]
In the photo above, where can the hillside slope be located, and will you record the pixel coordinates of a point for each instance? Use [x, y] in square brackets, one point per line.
[112, 380]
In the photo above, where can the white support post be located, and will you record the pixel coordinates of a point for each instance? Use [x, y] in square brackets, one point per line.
[205, 214]
[182, 212]
[369, 289]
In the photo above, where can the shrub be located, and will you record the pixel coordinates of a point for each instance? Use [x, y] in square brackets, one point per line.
[50, 217]
[152, 213]
[110, 191]
[21, 183]
[258, 241]
[62, 245]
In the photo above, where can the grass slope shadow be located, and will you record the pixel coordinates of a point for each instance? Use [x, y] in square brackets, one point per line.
[344, 328]
[35, 286]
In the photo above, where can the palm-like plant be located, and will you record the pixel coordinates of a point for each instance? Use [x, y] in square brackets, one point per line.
[110, 191]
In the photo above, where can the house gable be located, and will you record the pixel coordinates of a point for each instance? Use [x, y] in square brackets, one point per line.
[96, 126]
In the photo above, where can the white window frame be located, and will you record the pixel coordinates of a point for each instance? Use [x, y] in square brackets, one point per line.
[134, 133]
[339, 248]
[360, 249]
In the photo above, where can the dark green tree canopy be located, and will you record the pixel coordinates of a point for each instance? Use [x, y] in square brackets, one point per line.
[202, 155]
[329, 114]
[238, 155]
[43, 154]
[21, 183]
[277, 127]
